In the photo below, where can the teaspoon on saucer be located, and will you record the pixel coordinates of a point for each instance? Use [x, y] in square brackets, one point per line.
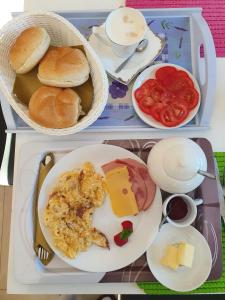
[140, 48]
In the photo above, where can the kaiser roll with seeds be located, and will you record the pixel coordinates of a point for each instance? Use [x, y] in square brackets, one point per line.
[63, 67]
[28, 49]
[54, 107]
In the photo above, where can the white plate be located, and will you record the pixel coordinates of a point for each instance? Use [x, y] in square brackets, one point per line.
[183, 279]
[136, 64]
[149, 73]
[97, 259]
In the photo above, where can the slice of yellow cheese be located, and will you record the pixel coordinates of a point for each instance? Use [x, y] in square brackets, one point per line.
[121, 195]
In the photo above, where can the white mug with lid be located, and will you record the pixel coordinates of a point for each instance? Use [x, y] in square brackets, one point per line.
[174, 162]
[123, 30]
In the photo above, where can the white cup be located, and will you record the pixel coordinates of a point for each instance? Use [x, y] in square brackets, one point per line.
[189, 218]
[124, 29]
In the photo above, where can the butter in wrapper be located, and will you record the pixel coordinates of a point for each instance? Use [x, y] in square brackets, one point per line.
[26, 84]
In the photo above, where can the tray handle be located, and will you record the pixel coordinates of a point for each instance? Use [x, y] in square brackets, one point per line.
[204, 68]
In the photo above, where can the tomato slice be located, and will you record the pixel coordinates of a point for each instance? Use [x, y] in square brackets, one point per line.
[167, 117]
[180, 110]
[190, 96]
[156, 109]
[144, 108]
[147, 101]
[179, 83]
[157, 92]
[172, 79]
[151, 89]
[144, 90]
[167, 97]
[149, 83]
[138, 94]
[165, 75]
[174, 114]
[145, 104]
[165, 72]
[189, 81]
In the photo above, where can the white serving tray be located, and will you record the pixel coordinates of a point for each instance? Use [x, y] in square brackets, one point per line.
[119, 115]
[27, 267]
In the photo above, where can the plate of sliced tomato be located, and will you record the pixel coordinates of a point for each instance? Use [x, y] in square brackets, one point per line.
[166, 96]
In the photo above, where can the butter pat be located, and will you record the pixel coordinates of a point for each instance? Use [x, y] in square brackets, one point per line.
[185, 254]
[171, 258]
[176, 255]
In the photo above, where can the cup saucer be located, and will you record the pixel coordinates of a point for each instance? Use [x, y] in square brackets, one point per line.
[137, 63]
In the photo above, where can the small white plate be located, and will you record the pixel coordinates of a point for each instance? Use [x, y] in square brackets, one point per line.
[183, 279]
[97, 259]
[137, 63]
[149, 73]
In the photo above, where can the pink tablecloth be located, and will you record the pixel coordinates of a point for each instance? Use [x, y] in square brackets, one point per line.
[213, 11]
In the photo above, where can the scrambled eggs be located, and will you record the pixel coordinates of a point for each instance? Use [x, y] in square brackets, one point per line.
[69, 211]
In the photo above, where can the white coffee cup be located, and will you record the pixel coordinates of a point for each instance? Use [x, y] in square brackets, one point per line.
[124, 28]
[191, 215]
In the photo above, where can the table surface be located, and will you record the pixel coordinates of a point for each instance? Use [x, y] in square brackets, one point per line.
[215, 134]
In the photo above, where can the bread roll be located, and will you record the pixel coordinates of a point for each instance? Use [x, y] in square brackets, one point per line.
[28, 50]
[54, 107]
[63, 67]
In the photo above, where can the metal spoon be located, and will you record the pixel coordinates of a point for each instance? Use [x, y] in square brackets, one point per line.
[165, 217]
[206, 174]
[140, 48]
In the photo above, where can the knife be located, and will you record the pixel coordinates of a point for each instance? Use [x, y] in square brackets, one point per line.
[41, 247]
[220, 192]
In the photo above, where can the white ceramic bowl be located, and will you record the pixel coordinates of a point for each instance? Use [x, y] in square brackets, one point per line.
[62, 33]
[149, 73]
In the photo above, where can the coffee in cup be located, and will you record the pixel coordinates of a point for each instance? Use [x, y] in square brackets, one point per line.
[125, 27]
[180, 209]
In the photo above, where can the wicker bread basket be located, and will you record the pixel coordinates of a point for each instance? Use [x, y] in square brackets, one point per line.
[62, 33]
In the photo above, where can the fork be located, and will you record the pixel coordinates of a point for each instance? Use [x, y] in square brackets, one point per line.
[43, 254]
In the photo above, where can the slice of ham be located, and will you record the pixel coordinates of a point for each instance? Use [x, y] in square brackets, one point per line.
[110, 166]
[150, 187]
[143, 187]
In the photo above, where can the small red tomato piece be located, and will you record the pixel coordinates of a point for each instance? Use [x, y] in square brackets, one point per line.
[119, 242]
[127, 225]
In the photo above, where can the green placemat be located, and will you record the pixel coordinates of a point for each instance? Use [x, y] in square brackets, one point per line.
[217, 286]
